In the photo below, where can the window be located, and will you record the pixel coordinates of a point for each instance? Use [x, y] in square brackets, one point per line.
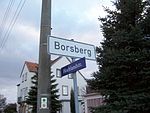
[25, 76]
[65, 90]
[78, 91]
[58, 73]
[26, 91]
[70, 76]
[21, 93]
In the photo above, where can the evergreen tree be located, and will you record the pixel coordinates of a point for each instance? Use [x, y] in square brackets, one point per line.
[56, 104]
[124, 59]
[32, 95]
[72, 101]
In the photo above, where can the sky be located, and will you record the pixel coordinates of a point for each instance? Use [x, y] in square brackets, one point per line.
[71, 19]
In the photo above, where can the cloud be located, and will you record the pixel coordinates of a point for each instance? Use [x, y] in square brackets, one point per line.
[21, 45]
[23, 42]
[74, 20]
[31, 13]
[10, 92]
[77, 19]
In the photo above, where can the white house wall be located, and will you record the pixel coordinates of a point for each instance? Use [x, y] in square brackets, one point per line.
[65, 81]
[26, 83]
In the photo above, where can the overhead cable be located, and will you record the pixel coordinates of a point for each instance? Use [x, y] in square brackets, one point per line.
[12, 23]
[5, 18]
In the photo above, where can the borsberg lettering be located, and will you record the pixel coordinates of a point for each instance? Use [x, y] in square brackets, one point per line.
[74, 48]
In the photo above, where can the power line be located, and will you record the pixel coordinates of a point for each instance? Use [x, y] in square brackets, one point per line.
[5, 18]
[12, 23]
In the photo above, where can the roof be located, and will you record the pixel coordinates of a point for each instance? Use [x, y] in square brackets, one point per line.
[92, 94]
[32, 67]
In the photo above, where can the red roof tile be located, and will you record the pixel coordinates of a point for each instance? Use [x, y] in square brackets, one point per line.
[32, 67]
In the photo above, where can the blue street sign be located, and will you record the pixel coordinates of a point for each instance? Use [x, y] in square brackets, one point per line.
[73, 67]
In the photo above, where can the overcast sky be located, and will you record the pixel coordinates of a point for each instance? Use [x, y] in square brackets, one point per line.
[71, 19]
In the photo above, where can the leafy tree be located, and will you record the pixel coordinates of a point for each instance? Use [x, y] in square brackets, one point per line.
[72, 101]
[32, 95]
[124, 58]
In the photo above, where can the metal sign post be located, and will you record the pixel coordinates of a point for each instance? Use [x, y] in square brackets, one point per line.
[73, 49]
[72, 68]
[75, 90]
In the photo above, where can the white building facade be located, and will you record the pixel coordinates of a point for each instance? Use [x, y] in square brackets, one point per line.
[65, 84]
[93, 100]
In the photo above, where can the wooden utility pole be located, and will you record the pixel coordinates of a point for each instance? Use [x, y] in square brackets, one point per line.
[44, 101]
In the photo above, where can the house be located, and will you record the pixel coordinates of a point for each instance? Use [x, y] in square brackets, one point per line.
[64, 85]
[92, 99]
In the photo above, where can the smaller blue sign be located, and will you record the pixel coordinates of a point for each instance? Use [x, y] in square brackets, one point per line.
[73, 67]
